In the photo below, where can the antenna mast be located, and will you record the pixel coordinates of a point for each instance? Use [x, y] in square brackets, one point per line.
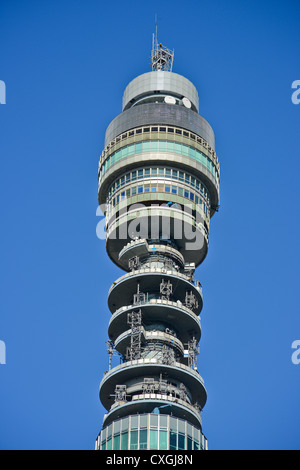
[161, 57]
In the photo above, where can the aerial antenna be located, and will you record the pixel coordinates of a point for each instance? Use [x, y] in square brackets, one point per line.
[161, 57]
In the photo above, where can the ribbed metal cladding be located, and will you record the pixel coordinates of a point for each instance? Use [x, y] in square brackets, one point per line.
[158, 187]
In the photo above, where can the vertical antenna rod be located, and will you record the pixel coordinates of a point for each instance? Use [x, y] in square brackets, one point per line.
[161, 57]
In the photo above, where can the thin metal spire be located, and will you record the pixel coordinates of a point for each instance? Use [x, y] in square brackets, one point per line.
[161, 57]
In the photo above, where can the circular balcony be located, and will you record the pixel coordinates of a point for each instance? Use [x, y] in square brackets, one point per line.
[189, 235]
[180, 318]
[146, 403]
[132, 370]
[123, 290]
[122, 342]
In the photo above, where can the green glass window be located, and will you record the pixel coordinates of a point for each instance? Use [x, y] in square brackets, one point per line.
[185, 150]
[170, 147]
[196, 445]
[146, 146]
[173, 440]
[154, 145]
[138, 147]
[192, 153]
[180, 191]
[153, 439]
[133, 440]
[108, 444]
[189, 444]
[140, 174]
[117, 155]
[162, 145]
[116, 442]
[133, 190]
[124, 441]
[181, 440]
[177, 147]
[163, 440]
[130, 149]
[143, 439]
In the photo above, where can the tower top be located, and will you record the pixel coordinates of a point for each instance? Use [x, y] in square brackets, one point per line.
[161, 57]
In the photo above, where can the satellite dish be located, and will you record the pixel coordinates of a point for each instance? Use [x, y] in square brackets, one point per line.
[170, 100]
[186, 103]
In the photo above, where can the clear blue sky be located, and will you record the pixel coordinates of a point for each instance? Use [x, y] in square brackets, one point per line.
[65, 65]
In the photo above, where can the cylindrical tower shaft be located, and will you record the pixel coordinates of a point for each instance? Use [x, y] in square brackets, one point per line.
[159, 187]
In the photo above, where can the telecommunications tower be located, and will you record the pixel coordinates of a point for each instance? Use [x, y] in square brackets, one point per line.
[159, 184]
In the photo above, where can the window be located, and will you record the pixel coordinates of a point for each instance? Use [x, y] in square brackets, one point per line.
[173, 440]
[181, 439]
[153, 439]
[116, 442]
[140, 174]
[143, 439]
[140, 189]
[133, 440]
[124, 441]
[138, 147]
[108, 444]
[174, 189]
[167, 189]
[163, 440]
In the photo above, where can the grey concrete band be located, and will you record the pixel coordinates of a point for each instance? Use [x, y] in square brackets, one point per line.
[160, 114]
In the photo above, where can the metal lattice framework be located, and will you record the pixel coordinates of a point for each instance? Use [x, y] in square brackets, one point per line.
[161, 57]
[134, 319]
